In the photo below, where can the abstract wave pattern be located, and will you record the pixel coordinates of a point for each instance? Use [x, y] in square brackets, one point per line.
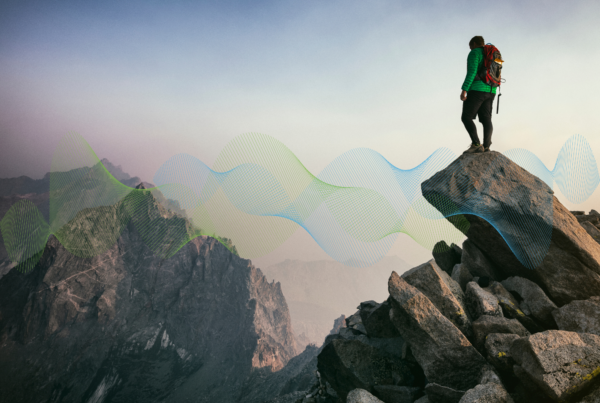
[258, 193]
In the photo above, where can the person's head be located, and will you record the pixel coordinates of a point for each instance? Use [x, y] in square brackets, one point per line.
[476, 42]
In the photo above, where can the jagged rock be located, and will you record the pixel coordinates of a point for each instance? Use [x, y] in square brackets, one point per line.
[442, 394]
[338, 324]
[563, 364]
[444, 353]
[446, 257]
[497, 346]
[491, 185]
[579, 316]
[462, 276]
[351, 364]
[397, 394]
[377, 322]
[477, 263]
[480, 302]
[578, 212]
[590, 218]
[427, 278]
[355, 322]
[361, 396]
[487, 324]
[534, 301]
[510, 308]
[592, 230]
[136, 326]
[487, 393]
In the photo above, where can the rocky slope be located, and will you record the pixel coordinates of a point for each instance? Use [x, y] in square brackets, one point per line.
[474, 324]
[127, 326]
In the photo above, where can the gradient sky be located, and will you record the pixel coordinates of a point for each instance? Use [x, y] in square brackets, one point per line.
[145, 80]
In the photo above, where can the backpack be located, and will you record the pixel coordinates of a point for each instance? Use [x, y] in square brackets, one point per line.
[490, 72]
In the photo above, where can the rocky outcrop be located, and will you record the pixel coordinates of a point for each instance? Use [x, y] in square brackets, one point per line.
[481, 302]
[427, 278]
[533, 301]
[563, 364]
[444, 353]
[514, 310]
[519, 204]
[130, 326]
[579, 316]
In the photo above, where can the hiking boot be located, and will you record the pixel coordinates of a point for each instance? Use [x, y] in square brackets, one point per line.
[475, 148]
[486, 149]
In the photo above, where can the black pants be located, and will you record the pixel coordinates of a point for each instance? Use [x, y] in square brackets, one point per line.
[478, 103]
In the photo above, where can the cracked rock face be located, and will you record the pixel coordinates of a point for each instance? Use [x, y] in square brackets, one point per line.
[563, 364]
[519, 204]
[128, 325]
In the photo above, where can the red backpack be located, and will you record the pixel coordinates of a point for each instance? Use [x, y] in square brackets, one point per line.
[491, 70]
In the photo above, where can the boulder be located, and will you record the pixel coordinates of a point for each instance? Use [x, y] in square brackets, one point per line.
[563, 364]
[579, 316]
[497, 346]
[377, 321]
[429, 279]
[487, 393]
[397, 394]
[461, 275]
[486, 325]
[423, 399]
[361, 396]
[554, 250]
[355, 322]
[589, 218]
[477, 263]
[534, 301]
[351, 364]
[446, 256]
[444, 353]
[443, 394]
[480, 302]
[592, 230]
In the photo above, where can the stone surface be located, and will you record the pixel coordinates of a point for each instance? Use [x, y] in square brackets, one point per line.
[397, 394]
[444, 353]
[477, 263]
[462, 276]
[377, 322]
[490, 185]
[487, 393]
[563, 364]
[427, 278]
[442, 394]
[497, 346]
[592, 230]
[351, 364]
[534, 301]
[593, 397]
[580, 316]
[486, 325]
[446, 257]
[423, 399]
[480, 302]
[361, 396]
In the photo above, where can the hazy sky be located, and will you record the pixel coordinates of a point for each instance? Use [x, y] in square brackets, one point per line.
[145, 80]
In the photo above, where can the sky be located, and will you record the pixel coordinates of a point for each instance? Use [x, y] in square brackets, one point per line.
[142, 81]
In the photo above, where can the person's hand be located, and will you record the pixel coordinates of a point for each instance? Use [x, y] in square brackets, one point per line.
[463, 96]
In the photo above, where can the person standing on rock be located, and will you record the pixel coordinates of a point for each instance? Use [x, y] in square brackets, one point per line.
[477, 97]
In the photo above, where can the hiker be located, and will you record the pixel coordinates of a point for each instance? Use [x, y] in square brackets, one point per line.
[477, 97]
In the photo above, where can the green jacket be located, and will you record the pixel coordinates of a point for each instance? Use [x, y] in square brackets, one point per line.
[474, 63]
